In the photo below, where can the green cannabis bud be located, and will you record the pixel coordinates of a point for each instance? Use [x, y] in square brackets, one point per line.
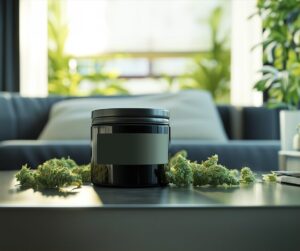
[211, 173]
[182, 172]
[247, 176]
[84, 172]
[270, 177]
[26, 177]
[179, 170]
[54, 173]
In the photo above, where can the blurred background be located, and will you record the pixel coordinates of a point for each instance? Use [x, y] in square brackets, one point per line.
[121, 47]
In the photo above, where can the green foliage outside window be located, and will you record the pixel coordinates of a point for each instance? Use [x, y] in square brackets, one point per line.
[62, 79]
[212, 69]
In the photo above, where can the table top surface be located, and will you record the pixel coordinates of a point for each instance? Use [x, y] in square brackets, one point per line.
[260, 194]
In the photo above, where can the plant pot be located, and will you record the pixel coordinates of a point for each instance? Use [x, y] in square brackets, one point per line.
[289, 121]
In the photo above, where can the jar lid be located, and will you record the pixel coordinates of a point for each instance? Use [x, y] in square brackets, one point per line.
[131, 115]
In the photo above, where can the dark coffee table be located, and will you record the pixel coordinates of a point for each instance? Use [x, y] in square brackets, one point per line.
[256, 217]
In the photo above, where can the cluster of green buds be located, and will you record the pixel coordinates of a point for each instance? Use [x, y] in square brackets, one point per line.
[54, 173]
[183, 172]
[58, 173]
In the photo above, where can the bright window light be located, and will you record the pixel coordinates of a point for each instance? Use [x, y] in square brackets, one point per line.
[131, 26]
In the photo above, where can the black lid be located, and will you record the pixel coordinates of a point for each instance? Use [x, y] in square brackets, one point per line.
[130, 115]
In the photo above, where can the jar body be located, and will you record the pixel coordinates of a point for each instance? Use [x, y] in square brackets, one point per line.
[129, 155]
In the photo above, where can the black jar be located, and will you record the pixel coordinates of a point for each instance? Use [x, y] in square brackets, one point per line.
[129, 147]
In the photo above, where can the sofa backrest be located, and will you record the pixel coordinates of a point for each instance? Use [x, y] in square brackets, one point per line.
[8, 127]
[25, 118]
[251, 123]
[260, 123]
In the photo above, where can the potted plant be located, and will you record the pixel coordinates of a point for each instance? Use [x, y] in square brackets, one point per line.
[281, 70]
[210, 70]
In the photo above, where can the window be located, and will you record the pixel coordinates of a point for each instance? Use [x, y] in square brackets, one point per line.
[132, 46]
[146, 43]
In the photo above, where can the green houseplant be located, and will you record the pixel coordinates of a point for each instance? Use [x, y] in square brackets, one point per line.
[281, 55]
[211, 70]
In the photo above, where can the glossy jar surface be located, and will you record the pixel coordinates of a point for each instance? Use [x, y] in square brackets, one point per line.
[129, 147]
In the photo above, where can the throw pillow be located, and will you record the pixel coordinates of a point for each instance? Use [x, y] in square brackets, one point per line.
[193, 115]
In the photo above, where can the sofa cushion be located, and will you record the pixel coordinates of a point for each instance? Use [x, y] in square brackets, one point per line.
[258, 155]
[15, 153]
[193, 115]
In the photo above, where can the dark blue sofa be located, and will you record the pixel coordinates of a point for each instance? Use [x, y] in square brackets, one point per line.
[253, 134]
